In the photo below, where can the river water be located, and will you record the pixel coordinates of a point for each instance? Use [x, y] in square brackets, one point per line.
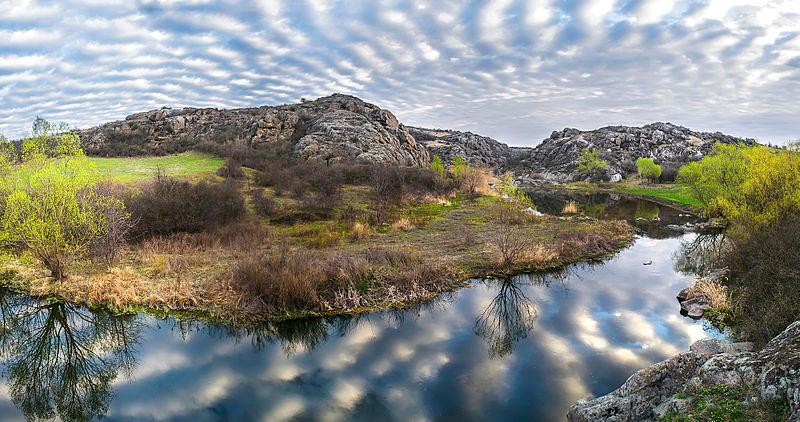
[518, 349]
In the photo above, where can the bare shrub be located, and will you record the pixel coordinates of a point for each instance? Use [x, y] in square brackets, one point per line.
[509, 236]
[107, 199]
[282, 280]
[231, 170]
[264, 205]
[166, 205]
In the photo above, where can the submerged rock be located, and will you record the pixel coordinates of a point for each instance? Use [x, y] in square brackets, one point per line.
[695, 307]
[774, 372]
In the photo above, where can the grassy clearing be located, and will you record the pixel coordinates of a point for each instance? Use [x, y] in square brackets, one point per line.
[671, 193]
[188, 165]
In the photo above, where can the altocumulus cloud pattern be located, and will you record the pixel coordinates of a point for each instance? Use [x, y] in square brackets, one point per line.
[511, 69]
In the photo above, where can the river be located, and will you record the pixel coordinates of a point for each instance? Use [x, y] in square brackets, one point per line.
[518, 349]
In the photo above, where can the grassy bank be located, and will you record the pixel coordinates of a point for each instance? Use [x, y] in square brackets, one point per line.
[284, 258]
[672, 193]
[188, 165]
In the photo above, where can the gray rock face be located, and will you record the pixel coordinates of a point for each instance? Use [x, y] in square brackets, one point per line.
[479, 151]
[556, 157]
[695, 307]
[774, 372]
[333, 128]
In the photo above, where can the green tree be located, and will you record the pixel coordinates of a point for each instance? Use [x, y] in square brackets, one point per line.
[459, 166]
[51, 206]
[590, 164]
[648, 169]
[436, 165]
[752, 185]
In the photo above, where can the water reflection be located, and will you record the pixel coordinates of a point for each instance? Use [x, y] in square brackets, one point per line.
[701, 254]
[551, 339]
[60, 360]
[508, 318]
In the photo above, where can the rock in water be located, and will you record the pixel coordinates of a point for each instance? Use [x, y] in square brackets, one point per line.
[774, 372]
[555, 159]
[329, 129]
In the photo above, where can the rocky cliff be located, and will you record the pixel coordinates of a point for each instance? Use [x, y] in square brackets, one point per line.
[333, 128]
[479, 151]
[555, 159]
[771, 374]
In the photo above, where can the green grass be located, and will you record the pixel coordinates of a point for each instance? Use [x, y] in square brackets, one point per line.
[189, 165]
[670, 193]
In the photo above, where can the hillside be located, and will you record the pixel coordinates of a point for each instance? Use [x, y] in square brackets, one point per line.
[333, 128]
[480, 151]
[556, 157]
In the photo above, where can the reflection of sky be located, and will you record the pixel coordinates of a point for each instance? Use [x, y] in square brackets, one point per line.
[593, 330]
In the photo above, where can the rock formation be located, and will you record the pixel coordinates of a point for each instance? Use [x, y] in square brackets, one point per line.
[772, 372]
[333, 128]
[555, 159]
[479, 151]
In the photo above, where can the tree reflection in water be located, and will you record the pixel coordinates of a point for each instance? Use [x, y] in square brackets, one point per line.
[507, 319]
[60, 359]
[700, 255]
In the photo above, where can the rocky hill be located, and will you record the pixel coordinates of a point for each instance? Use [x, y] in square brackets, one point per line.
[479, 151]
[333, 128]
[555, 159]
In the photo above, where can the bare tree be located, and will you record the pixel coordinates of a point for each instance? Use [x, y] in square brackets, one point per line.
[507, 319]
[509, 236]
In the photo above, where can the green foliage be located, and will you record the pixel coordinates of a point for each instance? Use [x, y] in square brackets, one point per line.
[49, 140]
[53, 214]
[648, 169]
[49, 205]
[436, 165]
[723, 403]
[460, 166]
[590, 163]
[677, 194]
[753, 185]
[514, 195]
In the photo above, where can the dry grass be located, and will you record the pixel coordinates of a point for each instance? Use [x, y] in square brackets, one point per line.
[360, 231]
[570, 207]
[402, 225]
[713, 290]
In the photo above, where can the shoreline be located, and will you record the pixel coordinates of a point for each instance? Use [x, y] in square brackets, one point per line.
[127, 290]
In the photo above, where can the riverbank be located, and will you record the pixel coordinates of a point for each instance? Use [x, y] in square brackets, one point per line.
[320, 267]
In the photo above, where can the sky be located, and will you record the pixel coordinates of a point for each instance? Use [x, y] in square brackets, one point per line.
[514, 70]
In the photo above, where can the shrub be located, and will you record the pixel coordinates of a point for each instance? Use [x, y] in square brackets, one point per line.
[669, 171]
[264, 205]
[108, 202]
[281, 280]
[231, 170]
[590, 164]
[56, 215]
[648, 169]
[765, 274]
[166, 205]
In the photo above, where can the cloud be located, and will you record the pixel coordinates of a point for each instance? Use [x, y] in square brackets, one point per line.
[511, 69]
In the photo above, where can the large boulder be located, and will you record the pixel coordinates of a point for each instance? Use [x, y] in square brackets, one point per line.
[774, 372]
[334, 128]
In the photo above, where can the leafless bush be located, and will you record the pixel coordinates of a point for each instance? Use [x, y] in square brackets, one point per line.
[509, 236]
[231, 170]
[107, 198]
[264, 205]
[166, 205]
